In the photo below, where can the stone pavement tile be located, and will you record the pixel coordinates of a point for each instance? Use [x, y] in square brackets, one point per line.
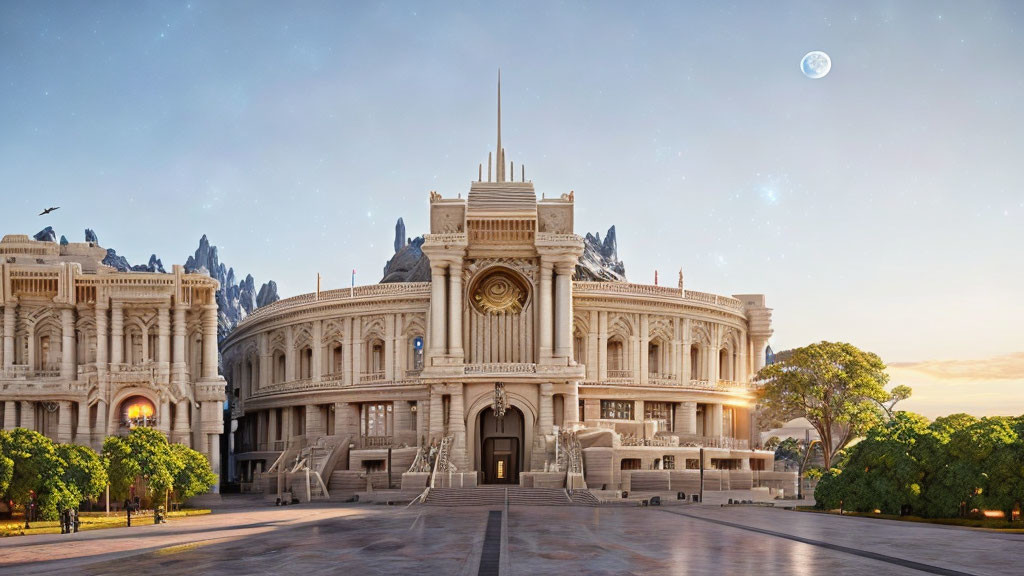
[964, 549]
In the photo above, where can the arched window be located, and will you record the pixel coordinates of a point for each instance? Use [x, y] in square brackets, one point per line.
[416, 354]
[616, 358]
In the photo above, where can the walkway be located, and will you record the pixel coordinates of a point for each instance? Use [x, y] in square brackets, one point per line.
[365, 539]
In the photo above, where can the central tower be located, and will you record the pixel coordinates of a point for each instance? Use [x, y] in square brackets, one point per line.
[501, 305]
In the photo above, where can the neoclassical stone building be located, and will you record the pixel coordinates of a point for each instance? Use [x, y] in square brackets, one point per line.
[500, 351]
[89, 352]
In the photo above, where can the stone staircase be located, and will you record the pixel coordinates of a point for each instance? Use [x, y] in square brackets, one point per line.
[495, 496]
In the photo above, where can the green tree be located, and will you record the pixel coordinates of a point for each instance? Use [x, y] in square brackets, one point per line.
[884, 471]
[84, 472]
[194, 476]
[837, 387]
[6, 466]
[37, 469]
[145, 453]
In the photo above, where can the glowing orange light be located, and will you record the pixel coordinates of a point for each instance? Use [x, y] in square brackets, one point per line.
[994, 514]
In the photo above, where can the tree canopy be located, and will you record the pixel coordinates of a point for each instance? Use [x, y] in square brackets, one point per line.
[37, 471]
[837, 387]
[146, 453]
[939, 469]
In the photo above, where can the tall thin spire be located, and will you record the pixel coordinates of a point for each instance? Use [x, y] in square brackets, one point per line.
[500, 176]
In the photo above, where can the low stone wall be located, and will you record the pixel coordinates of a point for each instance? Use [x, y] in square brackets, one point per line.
[542, 479]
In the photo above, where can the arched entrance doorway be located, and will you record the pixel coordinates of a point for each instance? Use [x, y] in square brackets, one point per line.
[501, 446]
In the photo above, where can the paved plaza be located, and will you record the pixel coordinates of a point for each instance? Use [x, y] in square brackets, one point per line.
[368, 539]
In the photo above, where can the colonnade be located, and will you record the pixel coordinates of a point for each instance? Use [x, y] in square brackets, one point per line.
[677, 362]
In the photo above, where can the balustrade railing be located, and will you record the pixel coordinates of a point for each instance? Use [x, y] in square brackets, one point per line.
[626, 288]
[367, 377]
[620, 374]
[499, 368]
[723, 442]
[20, 372]
[390, 289]
[376, 441]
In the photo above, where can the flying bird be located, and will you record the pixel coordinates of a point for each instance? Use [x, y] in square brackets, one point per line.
[48, 210]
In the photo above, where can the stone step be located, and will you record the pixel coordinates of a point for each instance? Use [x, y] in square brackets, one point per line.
[495, 496]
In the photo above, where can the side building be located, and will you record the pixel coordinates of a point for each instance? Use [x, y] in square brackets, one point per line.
[90, 352]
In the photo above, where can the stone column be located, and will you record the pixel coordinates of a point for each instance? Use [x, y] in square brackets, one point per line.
[634, 356]
[389, 347]
[687, 418]
[687, 373]
[716, 420]
[99, 433]
[436, 412]
[744, 366]
[592, 354]
[178, 348]
[357, 349]
[209, 341]
[10, 415]
[602, 346]
[10, 319]
[163, 331]
[163, 423]
[645, 344]
[67, 346]
[214, 453]
[760, 344]
[563, 310]
[348, 353]
[545, 311]
[316, 370]
[457, 427]
[272, 436]
[64, 422]
[455, 310]
[315, 426]
[266, 365]
[438, 320]
[422, 418]
[116, 336]
[547, 415]
[83, 436]
[28, 414]
[572, 404]
[181, 425]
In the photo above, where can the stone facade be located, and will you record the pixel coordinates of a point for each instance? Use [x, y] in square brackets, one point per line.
[89, 351]
[664, 370]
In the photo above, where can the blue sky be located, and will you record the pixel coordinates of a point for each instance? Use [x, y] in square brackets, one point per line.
[880, 205]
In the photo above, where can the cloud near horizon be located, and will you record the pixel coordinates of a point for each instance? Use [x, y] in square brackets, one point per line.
[1008, 367]
[991, 386]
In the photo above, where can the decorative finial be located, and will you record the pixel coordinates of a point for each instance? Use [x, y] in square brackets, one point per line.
[655, 277]
[680, 278]
[500, 176]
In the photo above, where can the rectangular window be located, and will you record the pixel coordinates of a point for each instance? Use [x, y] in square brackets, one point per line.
[616, 409]
[692, 463]
[501, 470]
[630, 464]
[377, 419]
[657, 411]
[668, 462]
